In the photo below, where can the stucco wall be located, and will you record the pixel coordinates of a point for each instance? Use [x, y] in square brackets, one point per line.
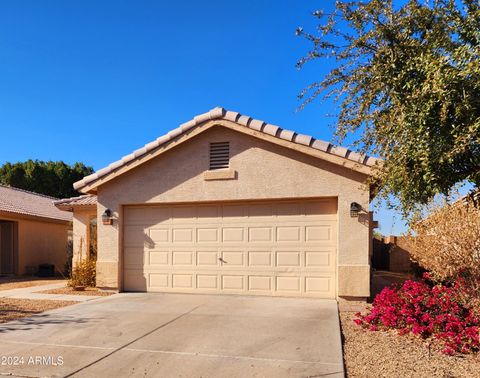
[40, 242]
[263, 171]
[81, 233]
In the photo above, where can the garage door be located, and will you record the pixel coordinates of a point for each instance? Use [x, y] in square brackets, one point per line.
[268, 248]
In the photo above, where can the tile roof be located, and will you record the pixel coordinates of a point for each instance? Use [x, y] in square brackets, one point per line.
[255, 124]
[19, 201]
[67, 204]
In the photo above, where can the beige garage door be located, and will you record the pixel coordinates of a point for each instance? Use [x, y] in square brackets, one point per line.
[257, 248]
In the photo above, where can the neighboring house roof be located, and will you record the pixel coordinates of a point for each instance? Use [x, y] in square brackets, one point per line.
[250, 123]
[68, 204]
[23, 202]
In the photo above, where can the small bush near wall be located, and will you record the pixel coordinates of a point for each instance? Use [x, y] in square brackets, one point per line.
[427, 310]
[83, 274]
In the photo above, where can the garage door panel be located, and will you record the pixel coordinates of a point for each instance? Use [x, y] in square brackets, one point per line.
[319, 234]
[289, 285]
[207, 259]
[233, 234]
[233, 259]
[182, 281]
[318, 259]
[182, 258]
[233, 282]
[136, 236]
[135, 279]
[182, 235]
[318, 284]
[161, 258]
[260, 259]
[159, 281]
[288, 258]
[259, 283]
[207, 282]
[159, 235]
[289, 234]
[207, 235]
[275, 248]
[260, 234]
[134, 256]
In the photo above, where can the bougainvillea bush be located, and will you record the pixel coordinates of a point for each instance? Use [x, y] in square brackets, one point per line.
[427, 310]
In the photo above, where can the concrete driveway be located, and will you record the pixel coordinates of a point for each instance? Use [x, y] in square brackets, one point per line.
[177, 335]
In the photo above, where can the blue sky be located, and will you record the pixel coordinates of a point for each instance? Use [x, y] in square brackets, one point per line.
[91, 81]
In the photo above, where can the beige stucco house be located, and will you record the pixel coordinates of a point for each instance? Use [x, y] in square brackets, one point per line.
[32, 232]
[232, 205]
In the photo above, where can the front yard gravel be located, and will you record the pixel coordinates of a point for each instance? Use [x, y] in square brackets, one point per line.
[9, 283]
[70, 291]
[11, 309]
[387, 354]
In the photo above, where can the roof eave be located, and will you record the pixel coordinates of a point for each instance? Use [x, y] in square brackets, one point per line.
[337, 155]
[91, 188]
[18, 215]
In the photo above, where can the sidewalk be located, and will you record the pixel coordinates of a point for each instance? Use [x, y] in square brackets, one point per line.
[32, 293]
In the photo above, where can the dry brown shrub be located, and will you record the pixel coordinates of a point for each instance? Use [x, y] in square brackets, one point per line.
[84, 270]
[447, 243]
[83, 274]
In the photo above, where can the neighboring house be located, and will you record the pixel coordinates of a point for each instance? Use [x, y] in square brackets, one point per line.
[32, 232]
[230, 204]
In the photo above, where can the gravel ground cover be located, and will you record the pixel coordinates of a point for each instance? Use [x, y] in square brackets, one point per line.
[11, 309]
[70, 291]
[387, 354]
[7, 283]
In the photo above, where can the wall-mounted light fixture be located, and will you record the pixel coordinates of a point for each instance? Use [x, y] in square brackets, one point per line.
[355, 209]
[107, 218]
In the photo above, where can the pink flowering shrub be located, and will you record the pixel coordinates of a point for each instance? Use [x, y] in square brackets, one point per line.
[436, 311]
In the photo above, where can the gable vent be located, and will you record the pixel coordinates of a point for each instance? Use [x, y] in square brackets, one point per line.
[219, 155]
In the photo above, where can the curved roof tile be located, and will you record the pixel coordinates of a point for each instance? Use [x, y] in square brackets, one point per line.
[67, 204]
[255, 124]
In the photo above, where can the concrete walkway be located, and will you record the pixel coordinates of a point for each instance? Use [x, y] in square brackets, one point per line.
[32, 292]
[178, 335]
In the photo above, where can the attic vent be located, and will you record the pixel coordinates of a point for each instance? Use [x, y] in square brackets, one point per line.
[219, 155]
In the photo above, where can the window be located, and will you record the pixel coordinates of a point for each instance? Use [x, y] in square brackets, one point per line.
[219, 155]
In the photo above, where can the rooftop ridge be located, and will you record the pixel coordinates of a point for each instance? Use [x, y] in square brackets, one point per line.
[28, 191]
[244, 120]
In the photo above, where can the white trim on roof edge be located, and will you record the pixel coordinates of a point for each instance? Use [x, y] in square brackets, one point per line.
[254, 124]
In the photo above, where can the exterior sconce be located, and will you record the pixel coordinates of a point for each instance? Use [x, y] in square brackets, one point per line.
[107, 218]
[355, 209]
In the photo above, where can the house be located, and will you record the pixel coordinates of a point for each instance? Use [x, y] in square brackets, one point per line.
[32, 232]
[230, 204]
